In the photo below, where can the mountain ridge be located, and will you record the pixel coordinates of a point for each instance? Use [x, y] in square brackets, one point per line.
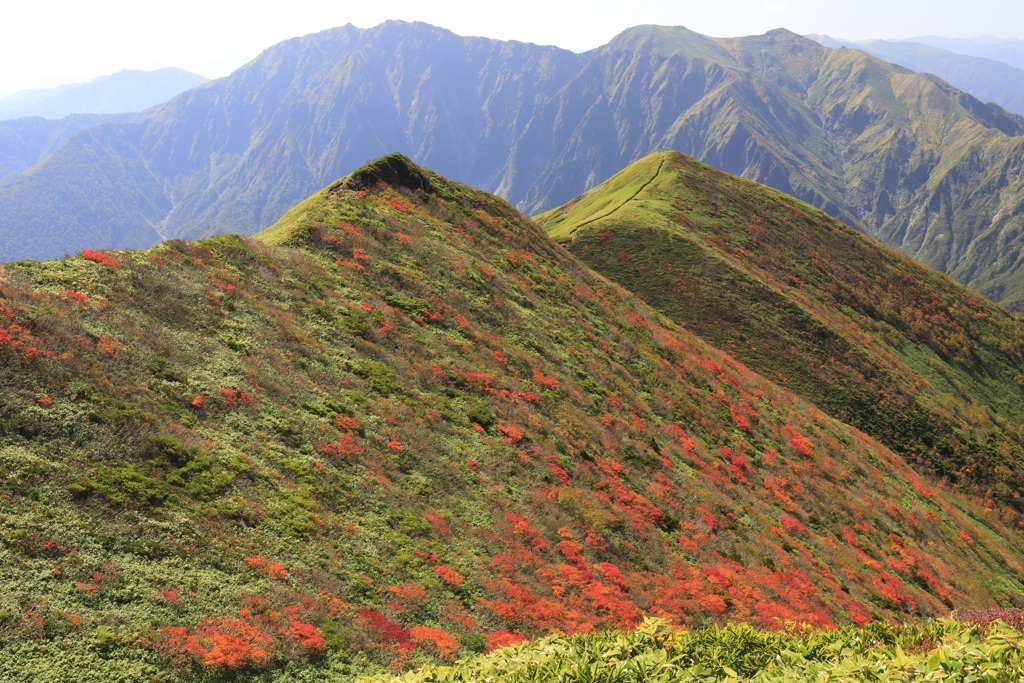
[901, 156]
[396, 450]
[789, 291]
[126, 91]
[1009, 51]
[27, 141]
[986, 79]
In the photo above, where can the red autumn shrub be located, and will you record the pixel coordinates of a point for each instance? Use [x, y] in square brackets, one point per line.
[101, 258]
[346, 423]
[449, 575]
[793, 526]
[221, 642]
[222, 285]
[390, 631]
[555, 465]
[544, 380]
[344, 445]
[307, 635]
[442, 641]
[798, 442]
[500, 639]
[512, 435]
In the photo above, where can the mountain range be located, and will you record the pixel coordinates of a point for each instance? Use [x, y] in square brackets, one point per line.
[901, 156]
[1009, 51]
[986, 79]
[402, 425]
[125, 91]
[26, 141]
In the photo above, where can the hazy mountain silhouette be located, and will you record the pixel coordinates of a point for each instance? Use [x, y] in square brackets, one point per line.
[125, 91]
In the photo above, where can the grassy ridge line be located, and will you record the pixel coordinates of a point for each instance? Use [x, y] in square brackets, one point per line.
[640, 189]
[943, 650]
[885, 344]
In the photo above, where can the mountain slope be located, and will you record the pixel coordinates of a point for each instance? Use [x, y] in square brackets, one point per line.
[402, 425]
[899, 155]
[235, 155]
[917, 361]
[986, 79]
[125, 91]
[25, 142]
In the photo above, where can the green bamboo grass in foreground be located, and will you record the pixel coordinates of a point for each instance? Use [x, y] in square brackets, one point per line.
[936, 651]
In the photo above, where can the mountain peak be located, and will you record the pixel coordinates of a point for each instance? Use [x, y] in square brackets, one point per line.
[783, 36]
[667, 41]
[783, 32]
[394, 169]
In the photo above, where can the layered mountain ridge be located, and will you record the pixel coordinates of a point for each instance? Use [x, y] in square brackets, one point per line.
[899, 155]
[986, 79]
[126, 91]
[27, 141]
[419, 429]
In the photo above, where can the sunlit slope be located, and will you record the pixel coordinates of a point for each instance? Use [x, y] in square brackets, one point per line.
[896, 349]
[403, 425]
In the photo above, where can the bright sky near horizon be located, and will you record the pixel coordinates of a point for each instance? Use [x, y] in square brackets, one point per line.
[68, 41]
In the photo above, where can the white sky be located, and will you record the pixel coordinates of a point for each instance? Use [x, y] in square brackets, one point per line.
[54, 42]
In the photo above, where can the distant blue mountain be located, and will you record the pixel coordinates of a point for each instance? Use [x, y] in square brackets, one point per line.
[26, 141]
[1007, 51]
[124, 91]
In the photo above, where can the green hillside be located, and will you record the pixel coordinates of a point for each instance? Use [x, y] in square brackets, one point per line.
[899, 351]
[402, 426]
